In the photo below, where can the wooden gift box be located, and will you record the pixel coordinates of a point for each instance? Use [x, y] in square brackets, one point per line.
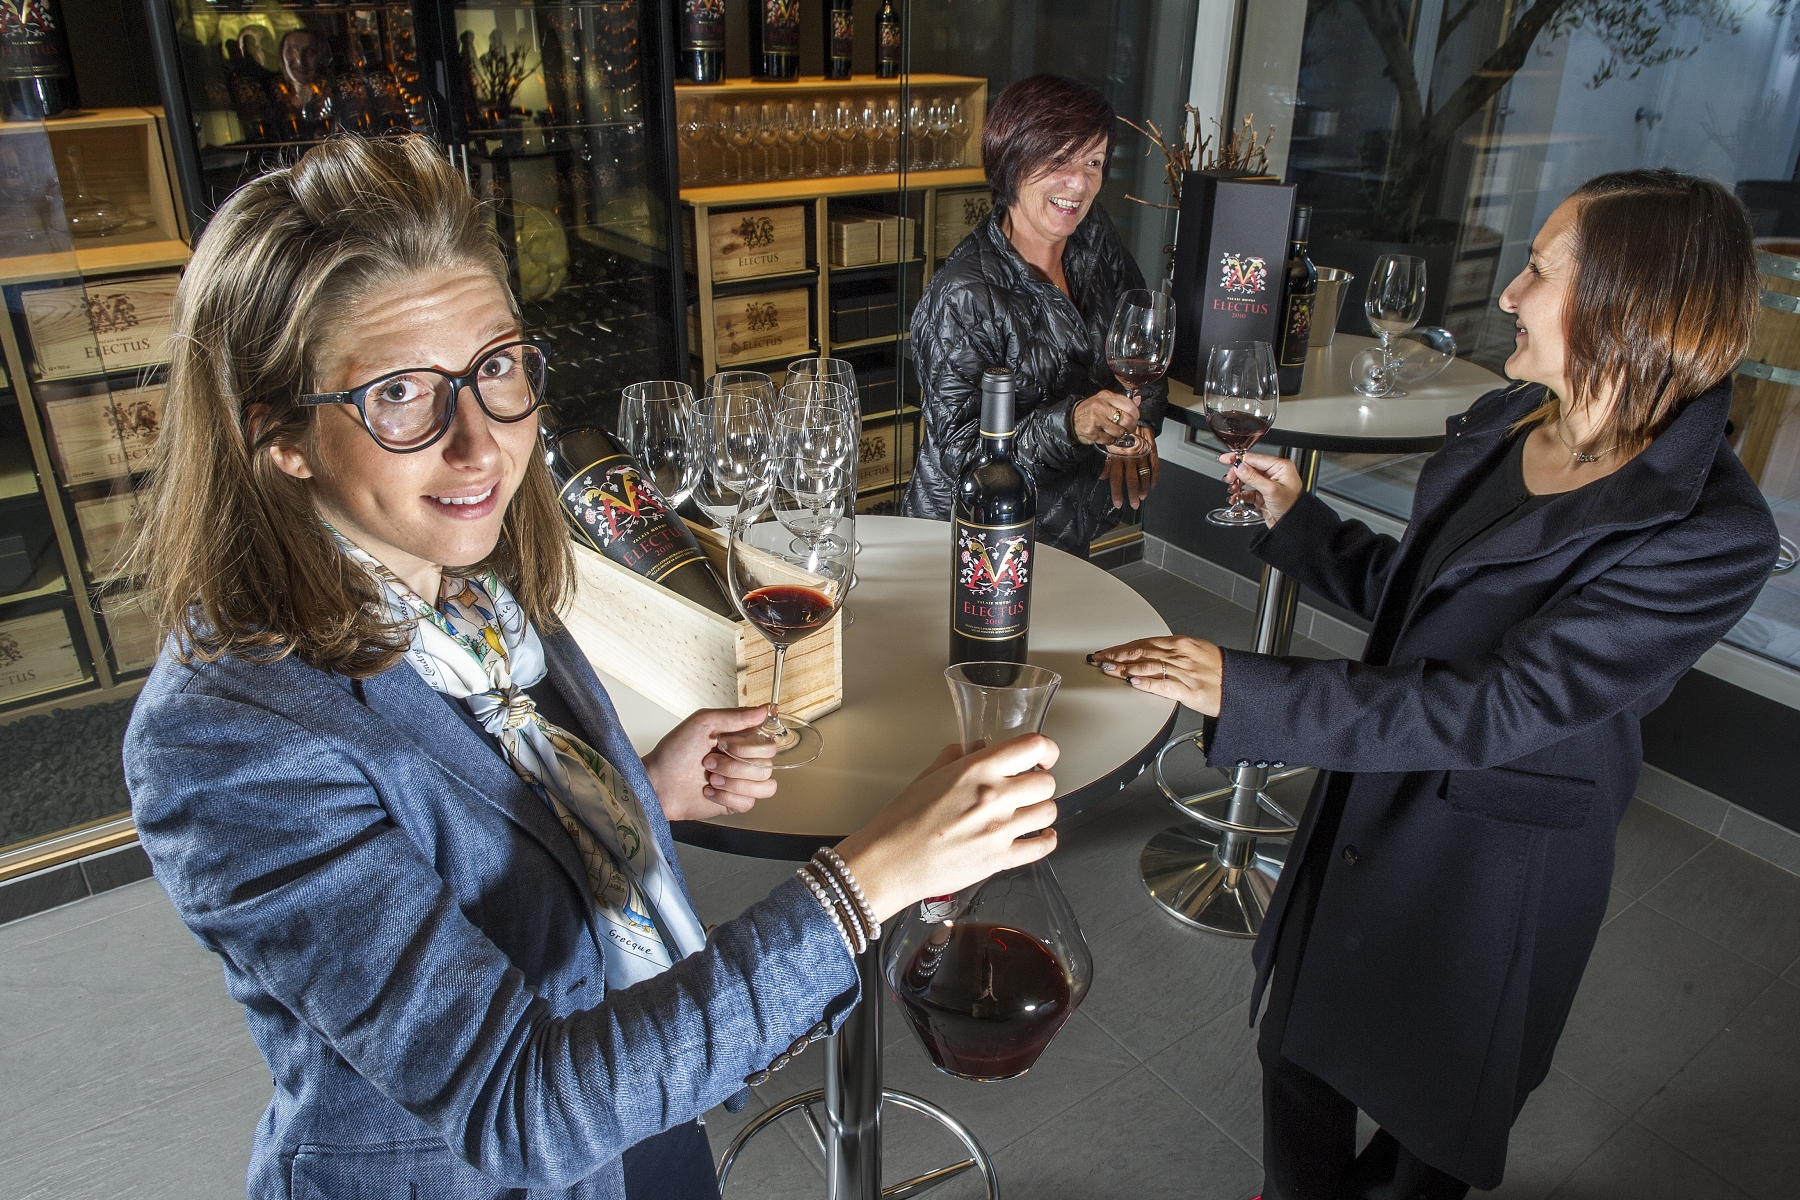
[109, 324]
[684, 656]
[761, 326]
[753, 242]
[131, 630]
[958, 213]
[855, 240]
[105, 435]
[37, 654]
[109, 525]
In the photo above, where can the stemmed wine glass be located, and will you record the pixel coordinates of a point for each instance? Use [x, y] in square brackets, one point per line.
[793, 136]
[736, 442]
[1139, 344]
[939, 118]
[1394, 303]
[656, 424]
[815, 449]
[843, 128]
[787, 597]
[818, 132]
[1241, 391]
[918, 123]
[959, 131]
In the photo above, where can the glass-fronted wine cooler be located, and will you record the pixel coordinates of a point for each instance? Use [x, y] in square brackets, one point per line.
[556, 112]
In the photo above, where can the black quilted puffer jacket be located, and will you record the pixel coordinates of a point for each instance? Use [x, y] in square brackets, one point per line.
[986, 307]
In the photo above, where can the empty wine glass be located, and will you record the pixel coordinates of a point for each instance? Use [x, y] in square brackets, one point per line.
[793, 138]
[1394, 303]
[959, 132]
[656, 426]
[918, 124]
[736, 443]
[787, 598]
[1416, 357]
[939, 117]
[694, 133]
[887, 131]
[768, 137]
[1139, 344]
[815, 453]
[843, 128]
[868, 125]
[818, 132]
[1239, 403]
[742, 132]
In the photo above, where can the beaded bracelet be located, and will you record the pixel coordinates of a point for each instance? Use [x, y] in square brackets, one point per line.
[832, 860]
[848, 906]
[829, 904]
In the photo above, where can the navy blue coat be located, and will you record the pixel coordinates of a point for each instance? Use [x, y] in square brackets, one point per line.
[408, 929]
[1488, 745]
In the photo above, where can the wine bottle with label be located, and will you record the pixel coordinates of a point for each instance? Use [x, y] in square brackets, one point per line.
[840, 36]
[775, 40]
[1299, 290]
[993, 539]
[701, 26]
[35, 67]
[887, 41]
[617, 510]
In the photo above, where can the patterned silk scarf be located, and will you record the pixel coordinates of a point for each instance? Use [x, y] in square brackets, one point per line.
[477, 646]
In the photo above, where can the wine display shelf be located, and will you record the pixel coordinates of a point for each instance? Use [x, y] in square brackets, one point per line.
[54, 432]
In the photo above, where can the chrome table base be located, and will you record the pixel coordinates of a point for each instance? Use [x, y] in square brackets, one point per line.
[852, 1098]
[1217, 870]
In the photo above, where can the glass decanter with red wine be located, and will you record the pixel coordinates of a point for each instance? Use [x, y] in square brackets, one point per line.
[987, 977]
[1139, 344]
[1239, 402]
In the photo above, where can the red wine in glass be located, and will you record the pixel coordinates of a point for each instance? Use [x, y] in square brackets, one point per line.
[985, 999]
[1237, 430]
[1140, 343]
[787, 613]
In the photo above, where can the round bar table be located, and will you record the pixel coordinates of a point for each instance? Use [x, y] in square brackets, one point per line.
[1217, 871]
[895, 715]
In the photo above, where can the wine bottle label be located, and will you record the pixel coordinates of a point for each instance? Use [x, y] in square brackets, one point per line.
[703, 25]
[887, 48]
[623, 519]
[1298, 335]
[993, 580]
[843, 32]
[31, 44]
[781, 27]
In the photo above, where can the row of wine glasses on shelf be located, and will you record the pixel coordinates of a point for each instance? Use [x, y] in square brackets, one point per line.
[774, 467]
[723, 142]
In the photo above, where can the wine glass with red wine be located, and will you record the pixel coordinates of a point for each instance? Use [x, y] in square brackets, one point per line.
[1139, 344]
[1239, 402]
[789, 597]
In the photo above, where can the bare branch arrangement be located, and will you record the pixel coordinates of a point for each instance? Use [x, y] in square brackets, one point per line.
[1236, 149]
[501, 72]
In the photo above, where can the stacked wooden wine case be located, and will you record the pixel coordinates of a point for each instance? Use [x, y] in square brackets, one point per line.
[775, 274]
[86, 346]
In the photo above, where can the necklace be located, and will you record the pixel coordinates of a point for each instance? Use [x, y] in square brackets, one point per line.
[1578, 455]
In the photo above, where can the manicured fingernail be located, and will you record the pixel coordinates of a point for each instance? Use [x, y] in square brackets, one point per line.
[1090, 658]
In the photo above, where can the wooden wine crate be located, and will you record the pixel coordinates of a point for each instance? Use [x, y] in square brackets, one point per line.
[105, 435]
[131, 630]
[883, 458]
[958, 213]
[108, 524]
[37, 654]
[684, 656]
[109, 324]
[755, 242]
[761, 326]
[855, 240]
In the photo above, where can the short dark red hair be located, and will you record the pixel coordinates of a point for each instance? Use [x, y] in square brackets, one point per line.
[1040, 123]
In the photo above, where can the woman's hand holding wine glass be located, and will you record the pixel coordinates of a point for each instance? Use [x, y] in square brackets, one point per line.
[1239, 402]
[1140, 344]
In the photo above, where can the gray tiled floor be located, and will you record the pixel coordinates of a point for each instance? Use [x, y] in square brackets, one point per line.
[128, 1072]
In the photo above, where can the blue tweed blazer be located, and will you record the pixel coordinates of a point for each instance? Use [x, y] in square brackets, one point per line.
[406, 926]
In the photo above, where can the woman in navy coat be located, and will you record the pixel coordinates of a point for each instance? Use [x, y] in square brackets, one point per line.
[439, 878]
[1579, 541]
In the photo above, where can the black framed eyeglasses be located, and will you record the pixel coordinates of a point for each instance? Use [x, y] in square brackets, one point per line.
[406, 411]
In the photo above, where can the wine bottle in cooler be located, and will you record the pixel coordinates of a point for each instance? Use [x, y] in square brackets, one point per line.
[887, 41]
[617, 510]
[775, 40]
[1299, 290]
[993, 539]
[701, 26]
[840, 36]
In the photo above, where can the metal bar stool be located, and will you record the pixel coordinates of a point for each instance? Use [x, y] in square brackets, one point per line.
[850, 1137]
[1217, 871]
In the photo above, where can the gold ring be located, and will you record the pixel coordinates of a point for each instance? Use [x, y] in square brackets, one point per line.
[1143, 470]
[1113, 416]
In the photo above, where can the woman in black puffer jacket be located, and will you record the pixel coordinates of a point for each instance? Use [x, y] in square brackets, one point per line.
[1033, 288]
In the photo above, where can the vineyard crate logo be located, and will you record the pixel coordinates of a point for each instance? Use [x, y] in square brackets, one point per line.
[133, 419]
[872, 450]
[620, 501]
[756, 232]
[996, 569]
[760, 316]
[10, 652]
[1242, 274]
[113, 313]
[976, 209]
